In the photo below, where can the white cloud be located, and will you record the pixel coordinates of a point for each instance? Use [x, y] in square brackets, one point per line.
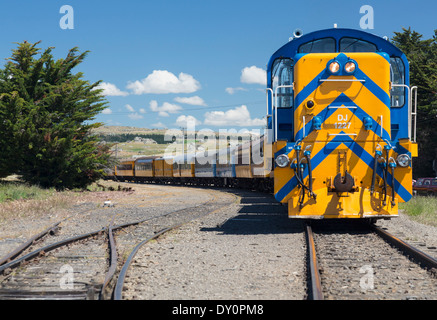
[142, 110]
[107, 111]
[110, 89]
[129, 108]
[195, 101]
[240, 116]
[253, 74]
[234, 90]
[183, 121]
[135, 116]
[163, 81]
[159, 125]
[165, 109]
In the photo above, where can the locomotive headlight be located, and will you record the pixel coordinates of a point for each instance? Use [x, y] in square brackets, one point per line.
[350, 67]
[403, 160]
[282, 160]
[334, 67]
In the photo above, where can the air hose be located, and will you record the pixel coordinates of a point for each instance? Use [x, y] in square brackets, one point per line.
[307, 155]
[378, 154]
[298, 166]
[385, 174]
[392, 165]
[384, 180]
[385, 167]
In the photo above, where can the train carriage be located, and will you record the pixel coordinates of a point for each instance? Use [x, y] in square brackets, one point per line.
[125, 170]
[158, 167]
[225, 163]
[183, 166]
[243, 158]
[205, 164]
[144, 168]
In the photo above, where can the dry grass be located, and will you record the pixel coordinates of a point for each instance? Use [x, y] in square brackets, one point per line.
[422, 209]
[32, 202]
[35, 208]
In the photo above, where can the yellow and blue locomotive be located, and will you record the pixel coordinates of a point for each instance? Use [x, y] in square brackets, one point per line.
[340, 132]
[343, 125]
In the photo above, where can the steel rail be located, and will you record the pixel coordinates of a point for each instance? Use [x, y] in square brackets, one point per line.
[121, 277]
[20, 249]
[316, 285]
[50, 247]
[421, 257]
[16, 252]
[113, 261]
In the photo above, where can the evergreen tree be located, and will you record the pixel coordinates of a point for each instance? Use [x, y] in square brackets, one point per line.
[422, 57]
[45, 113]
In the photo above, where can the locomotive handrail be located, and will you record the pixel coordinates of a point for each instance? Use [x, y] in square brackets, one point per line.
[413, 112]
[342, 107]
[342, 80]
[275, 107]
[269, 90]
[342, 134]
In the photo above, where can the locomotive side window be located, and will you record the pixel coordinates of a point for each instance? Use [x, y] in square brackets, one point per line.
[283, 76]
[356, 45]
[325, 45]
[397, 76]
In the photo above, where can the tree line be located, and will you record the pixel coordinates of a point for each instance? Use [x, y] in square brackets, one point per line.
[124, 137]
[422, 57]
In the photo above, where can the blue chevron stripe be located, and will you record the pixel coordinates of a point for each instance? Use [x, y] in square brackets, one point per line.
[309, 88]
[326, 151]
[342, 99]
[373, 87]
[369, 160]
[315, 162]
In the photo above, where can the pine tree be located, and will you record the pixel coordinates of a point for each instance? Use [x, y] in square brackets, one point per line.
[45, 114]
[422, 57]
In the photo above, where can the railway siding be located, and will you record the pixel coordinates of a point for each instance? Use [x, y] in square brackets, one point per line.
[78, 270]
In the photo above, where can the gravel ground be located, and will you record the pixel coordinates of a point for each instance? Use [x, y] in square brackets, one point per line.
[247, 251]
[422, 236]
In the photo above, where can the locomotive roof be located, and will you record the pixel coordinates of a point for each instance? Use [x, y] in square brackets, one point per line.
[290, 49]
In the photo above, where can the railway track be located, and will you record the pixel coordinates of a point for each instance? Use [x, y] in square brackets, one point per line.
[84, 266]
[349, 260]
[118, 290]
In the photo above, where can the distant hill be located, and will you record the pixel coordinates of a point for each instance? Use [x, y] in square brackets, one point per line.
[117, 130]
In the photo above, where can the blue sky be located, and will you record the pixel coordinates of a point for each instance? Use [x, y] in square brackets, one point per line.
[163, 62]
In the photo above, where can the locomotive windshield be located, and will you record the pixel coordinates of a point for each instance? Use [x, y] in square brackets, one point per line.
[318, 46]
[356, 45]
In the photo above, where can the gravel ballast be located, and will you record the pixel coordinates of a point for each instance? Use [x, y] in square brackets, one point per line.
[246, 251]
